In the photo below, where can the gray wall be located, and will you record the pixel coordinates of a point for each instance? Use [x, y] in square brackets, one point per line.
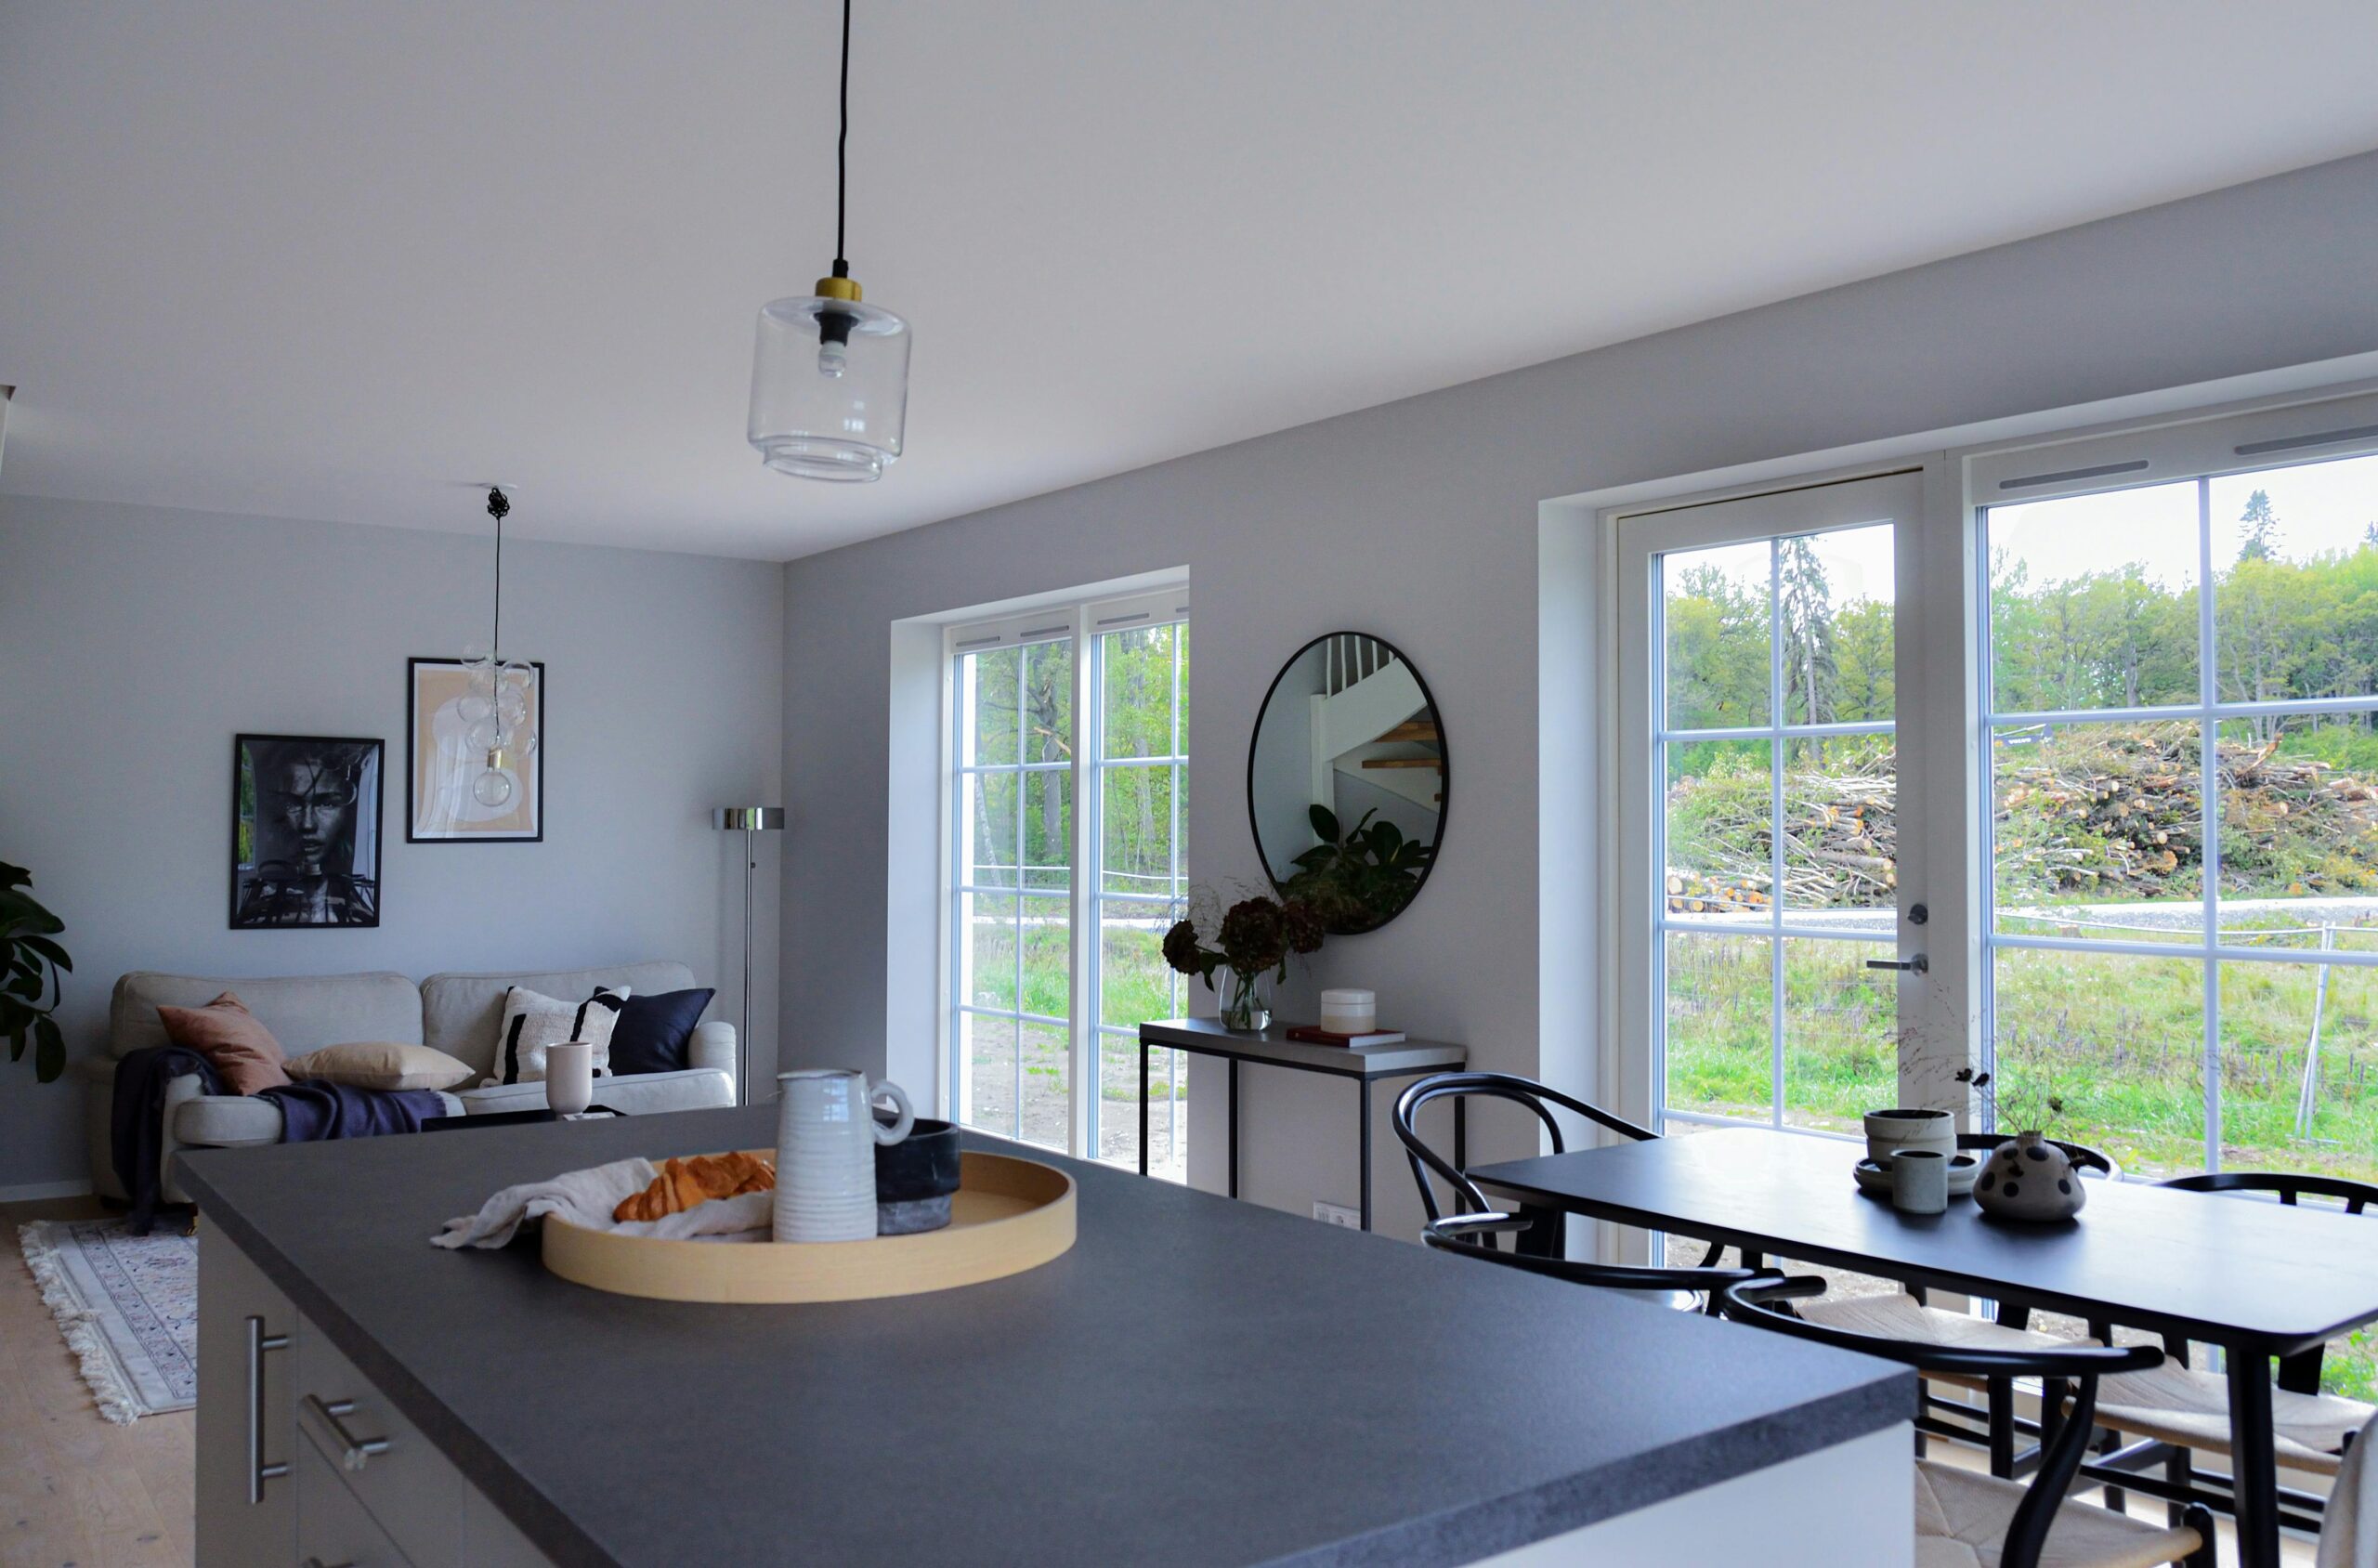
[1418, 520]
[136, 642]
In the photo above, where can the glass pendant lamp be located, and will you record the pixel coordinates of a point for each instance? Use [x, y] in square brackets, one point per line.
[499, 723]
[830, 373]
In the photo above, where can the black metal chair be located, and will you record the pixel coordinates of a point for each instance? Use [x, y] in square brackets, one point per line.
[1472, 1235]
[1987, 1515]
[1908, 1315]
[1467, 1201]
[2177, 1410]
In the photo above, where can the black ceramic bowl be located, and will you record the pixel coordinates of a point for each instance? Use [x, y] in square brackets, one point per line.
[914, 1178]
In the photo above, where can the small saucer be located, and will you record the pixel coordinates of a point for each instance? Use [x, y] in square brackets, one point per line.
[1874, 1178]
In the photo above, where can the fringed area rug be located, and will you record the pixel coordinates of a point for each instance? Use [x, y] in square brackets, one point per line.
[128, 1307]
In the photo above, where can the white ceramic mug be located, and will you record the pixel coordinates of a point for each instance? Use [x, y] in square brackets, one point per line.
[825, 1138]
[569, 1076]
[1919, 1182]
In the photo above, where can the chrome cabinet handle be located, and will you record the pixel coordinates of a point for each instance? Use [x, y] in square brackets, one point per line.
[317, 1563]
[354, 1452]
[258, 1471]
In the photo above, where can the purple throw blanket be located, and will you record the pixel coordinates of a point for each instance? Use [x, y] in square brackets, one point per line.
[308, 1112]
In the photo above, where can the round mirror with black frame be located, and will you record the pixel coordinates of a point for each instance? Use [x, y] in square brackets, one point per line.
[1347, 779]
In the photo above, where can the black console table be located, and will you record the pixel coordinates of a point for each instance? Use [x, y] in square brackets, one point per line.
[1272, 1047]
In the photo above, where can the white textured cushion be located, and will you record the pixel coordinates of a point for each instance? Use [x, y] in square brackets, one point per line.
[1962, 1517]
[460, 1012]
[228, 1121]
[533, 1021]
[383, 1064]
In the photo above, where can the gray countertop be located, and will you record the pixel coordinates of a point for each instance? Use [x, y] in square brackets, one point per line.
[1197, 1381]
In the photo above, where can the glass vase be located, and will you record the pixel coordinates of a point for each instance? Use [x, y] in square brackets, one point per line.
[1245, 1011]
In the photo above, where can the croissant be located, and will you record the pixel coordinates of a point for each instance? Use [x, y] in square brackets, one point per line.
[684, 1182]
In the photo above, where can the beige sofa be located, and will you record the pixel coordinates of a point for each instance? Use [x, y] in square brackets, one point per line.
[456, 1013]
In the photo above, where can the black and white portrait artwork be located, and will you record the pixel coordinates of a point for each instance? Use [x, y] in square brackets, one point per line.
[305, 831]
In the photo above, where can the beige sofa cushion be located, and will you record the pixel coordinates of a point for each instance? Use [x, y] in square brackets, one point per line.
[240, 1048]
[381, 1065]
[461, 1014]
[304, 1012]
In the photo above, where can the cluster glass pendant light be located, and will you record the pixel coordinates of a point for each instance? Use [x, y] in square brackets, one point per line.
[499, 722]
[830, 377]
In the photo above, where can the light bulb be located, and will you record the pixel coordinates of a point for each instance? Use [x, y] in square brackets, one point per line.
[833, 359]
[491, 787]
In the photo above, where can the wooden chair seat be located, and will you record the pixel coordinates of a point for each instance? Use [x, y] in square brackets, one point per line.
[1962, 1517]
[1902, 1316]
[2191, 1409]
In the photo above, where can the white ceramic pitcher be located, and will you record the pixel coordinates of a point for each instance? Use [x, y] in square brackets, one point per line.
[825, 1138]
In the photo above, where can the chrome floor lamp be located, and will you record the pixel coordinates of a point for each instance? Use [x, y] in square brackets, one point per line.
[748, 820]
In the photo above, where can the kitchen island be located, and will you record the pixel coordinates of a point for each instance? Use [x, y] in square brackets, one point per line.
[1197, 1381]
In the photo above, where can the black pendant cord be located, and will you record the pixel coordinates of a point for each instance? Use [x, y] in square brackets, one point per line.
[498, 504]
[842, 148]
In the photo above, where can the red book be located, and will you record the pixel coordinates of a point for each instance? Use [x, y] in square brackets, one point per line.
[1313, 1034]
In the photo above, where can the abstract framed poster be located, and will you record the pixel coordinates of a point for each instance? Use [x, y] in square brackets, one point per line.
[458, 787]
[305, 831]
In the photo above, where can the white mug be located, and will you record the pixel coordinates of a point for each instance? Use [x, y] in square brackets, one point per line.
[569, 1076]
[825, 1138]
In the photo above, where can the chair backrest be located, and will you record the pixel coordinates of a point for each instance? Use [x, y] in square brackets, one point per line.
[1492, 1086]
[1471, 1235]
[2287, 1184]
[1761, 1302]
[2084, 1158]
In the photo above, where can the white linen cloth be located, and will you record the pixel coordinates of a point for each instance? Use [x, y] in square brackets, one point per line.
[2349, 1524]
[588, 1197]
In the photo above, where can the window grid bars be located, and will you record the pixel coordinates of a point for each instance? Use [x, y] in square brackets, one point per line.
[1773, 929]
[2208, 713]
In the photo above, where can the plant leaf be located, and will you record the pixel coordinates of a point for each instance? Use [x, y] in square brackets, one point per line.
[47, 949]
[49, 1051]
[1324, 823]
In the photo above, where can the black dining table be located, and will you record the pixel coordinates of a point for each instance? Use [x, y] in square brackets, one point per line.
[2258, 1279]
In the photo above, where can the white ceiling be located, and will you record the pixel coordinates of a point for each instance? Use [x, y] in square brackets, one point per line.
[326, 261]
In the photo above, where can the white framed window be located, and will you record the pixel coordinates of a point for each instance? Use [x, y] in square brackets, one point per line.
[1067, 861]
[2179, 708]
[1767, 631]
[2124, 768]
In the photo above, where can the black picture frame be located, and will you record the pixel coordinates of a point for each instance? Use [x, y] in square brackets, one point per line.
[1444, 775]
[323, 894]
[413, 759]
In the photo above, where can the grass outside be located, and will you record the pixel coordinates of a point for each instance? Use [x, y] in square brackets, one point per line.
[2119, 1040]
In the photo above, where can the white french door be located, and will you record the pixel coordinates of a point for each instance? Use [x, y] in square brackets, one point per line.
[1759, 767]
[1068, 748]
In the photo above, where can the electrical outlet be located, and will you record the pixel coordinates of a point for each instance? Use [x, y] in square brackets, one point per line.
[1337, 1214]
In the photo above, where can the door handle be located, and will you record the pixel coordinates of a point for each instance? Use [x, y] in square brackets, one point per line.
[354, 1452]
[1919, 964]
[258, 1471]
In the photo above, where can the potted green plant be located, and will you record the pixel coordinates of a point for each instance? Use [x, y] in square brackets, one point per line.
[34, 963]
[1357, 878]
[1253, 939]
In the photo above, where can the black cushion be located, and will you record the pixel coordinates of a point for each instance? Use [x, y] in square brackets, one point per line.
[653, 1032]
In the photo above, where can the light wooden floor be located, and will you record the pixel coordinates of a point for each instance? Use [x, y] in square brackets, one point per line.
[75, 1491]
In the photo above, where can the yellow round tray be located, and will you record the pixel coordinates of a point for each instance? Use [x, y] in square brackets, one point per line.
[1008, 1215]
